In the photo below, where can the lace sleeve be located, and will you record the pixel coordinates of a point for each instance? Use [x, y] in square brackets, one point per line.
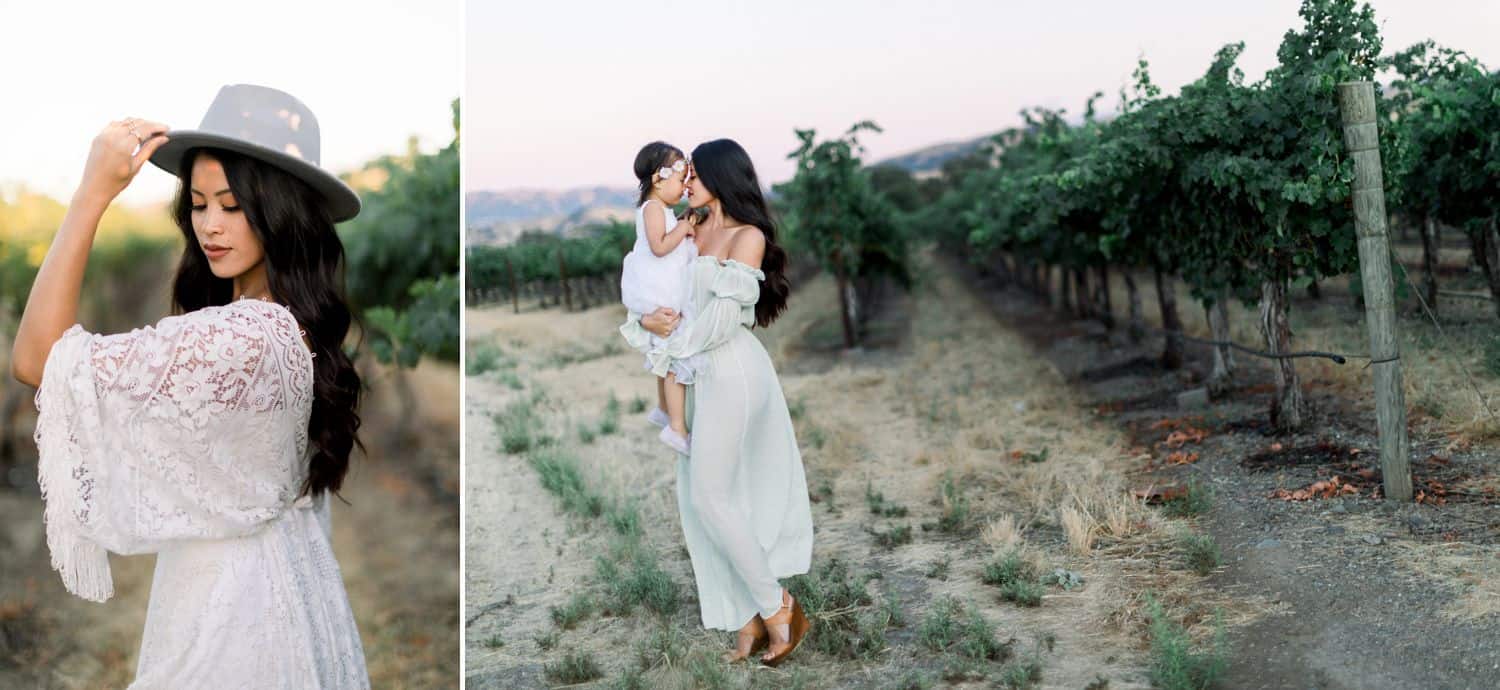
[190, 429]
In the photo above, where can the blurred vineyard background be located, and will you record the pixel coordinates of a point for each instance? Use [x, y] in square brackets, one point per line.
[1234, 192]
[397, 540]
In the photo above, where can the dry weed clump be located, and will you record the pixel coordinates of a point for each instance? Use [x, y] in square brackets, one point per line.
[1002, 533]
[1470, 571]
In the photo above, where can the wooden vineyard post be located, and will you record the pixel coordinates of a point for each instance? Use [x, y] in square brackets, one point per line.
[515, 289]
[1357, 109]
[562, 272]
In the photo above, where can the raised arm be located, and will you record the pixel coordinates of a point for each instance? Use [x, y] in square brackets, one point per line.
[53, 303]
[661, 242]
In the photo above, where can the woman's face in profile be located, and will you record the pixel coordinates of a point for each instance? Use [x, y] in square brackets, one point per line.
[219, 224]
[698, 194]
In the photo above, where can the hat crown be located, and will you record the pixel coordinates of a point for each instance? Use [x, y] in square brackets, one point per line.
[266, 117]
[266, 124]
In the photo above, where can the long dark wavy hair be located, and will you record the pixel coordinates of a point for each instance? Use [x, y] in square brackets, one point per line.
[727, 172]
[303, 255]
[651, 158]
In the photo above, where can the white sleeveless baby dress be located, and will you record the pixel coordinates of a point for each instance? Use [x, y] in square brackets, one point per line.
[648, 281]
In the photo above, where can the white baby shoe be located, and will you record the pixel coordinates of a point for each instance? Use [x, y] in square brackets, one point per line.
[658, 417]
[676, 441]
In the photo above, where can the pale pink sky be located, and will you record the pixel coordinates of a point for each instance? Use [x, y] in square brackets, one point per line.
[562, 93]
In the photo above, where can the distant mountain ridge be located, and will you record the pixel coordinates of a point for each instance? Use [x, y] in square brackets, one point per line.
[499, 216]
[930, 159]
[521, 204]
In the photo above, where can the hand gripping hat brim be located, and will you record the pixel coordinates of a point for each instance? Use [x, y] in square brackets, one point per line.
[268, 125]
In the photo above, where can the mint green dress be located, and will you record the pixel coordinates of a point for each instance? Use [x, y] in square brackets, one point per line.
[742, 493]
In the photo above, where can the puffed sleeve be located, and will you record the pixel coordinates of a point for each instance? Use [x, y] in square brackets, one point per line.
[731, 305]
[182, 430]
[637, 337]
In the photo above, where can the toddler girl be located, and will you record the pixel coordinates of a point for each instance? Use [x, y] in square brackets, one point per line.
[655, 273]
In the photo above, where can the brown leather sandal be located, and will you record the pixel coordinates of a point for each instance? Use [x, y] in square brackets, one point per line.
[793, 625]
[752, 638]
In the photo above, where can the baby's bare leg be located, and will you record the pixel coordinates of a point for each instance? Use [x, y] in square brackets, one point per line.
[675, 395]
[661, 394]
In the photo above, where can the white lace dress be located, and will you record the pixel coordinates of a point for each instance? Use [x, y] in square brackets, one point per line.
[189, 439]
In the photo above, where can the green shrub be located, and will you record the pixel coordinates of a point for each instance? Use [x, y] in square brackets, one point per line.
[1492, 355]
[482, 358]
[1201, 552]
[625, 520]
[516, 425]
[632, 577]
[832, 588]
[665, 646]
[560, 475]
[951, 625]
[569, 615]
[707, 671]
[895, 536]
[611, 421]
[575, 667]
[1195, 500]
[1023, 592]
[938, 570]
[955, 517]
[1174, 663]
[879, 506]
[1021, 674]
[1008, 568]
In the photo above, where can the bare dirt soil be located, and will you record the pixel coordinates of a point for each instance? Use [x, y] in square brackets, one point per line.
[951, 440]
[1366, 593]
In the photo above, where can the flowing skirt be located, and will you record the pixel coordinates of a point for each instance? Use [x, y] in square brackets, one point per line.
[742, 495]
[263, 611]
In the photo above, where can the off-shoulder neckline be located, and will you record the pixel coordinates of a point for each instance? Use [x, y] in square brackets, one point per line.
[724, 263]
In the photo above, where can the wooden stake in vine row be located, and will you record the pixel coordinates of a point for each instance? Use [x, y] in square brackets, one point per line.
[1357, 109]
[562, 272]
[515, 288]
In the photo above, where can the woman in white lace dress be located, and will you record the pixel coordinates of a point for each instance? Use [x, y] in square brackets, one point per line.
[742, 492]
[214, 437]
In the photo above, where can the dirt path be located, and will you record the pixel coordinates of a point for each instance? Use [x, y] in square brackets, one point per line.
[949, 393]
[1366, 594]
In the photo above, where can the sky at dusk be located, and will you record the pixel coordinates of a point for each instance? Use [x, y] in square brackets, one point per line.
[563, 93]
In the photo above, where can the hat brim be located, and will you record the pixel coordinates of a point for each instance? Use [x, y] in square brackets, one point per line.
[343, 203]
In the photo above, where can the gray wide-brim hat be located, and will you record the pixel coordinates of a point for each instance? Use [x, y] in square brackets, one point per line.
[266, 124]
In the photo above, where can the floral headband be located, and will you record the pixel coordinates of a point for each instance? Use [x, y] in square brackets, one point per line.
[665, 172]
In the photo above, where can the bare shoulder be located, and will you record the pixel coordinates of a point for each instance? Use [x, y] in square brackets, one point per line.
[748, 245]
